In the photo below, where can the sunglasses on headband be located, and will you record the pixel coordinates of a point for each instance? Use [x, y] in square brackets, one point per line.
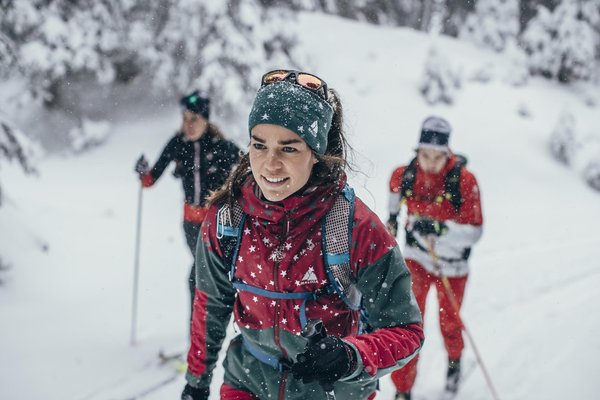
[304, 79]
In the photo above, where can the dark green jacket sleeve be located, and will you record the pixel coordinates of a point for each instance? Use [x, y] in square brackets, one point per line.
[213, 304]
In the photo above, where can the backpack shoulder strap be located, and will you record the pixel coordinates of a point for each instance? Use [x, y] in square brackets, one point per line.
[452, 183]
[337, 241]
[230, 222]
[408, 179]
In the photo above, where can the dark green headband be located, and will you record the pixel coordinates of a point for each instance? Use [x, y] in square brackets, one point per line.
[297, 109]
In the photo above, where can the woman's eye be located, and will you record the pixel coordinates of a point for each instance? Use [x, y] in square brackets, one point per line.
[287, 149]
[258, 146]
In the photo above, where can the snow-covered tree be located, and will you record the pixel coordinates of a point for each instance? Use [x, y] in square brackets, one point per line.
[56, 41]
[563, 139]
[493, 24]
[171, 46]
[440, 81]
[563, 44]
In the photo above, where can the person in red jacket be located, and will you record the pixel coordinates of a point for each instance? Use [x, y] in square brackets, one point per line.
[268, 254]
[203, 159]
[444, 220]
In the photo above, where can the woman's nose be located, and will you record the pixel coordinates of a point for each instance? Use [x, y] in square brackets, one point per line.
[273, 160]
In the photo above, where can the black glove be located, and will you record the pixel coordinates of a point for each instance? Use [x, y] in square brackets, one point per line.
[327, 361]
[141, 166]
[392, 224]
[427, 226]
[192, 393]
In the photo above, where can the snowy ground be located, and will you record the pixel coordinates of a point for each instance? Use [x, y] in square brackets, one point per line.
[532, 299]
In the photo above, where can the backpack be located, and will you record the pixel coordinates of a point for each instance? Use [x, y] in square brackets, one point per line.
[336, 254]
[452, 182]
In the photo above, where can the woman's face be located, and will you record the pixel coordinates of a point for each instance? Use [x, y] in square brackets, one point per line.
[193, 125]
[280, 160]
[431, 161]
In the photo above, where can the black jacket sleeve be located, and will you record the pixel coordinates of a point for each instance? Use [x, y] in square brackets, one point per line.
[168, 154]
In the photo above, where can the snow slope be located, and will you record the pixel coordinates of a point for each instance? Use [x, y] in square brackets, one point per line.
[531, 303]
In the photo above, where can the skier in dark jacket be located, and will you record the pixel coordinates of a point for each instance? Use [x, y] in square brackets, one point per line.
[289, 266]
[203, 160]
[444, 220]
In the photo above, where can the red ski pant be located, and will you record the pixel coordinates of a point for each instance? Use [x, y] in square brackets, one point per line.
[450, 323]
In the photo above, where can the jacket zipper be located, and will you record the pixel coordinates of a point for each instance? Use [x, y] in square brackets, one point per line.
[197, 173]
[278, 310]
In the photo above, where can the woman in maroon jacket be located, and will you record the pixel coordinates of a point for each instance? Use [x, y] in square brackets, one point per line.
[282, 272]
[444, 221]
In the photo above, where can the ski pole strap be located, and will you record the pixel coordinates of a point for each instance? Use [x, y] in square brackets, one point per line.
[265, 358]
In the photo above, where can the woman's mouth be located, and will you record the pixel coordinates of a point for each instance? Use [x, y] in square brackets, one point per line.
[273, 181]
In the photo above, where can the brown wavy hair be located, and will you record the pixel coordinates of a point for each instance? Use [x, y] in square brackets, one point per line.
[329, 169]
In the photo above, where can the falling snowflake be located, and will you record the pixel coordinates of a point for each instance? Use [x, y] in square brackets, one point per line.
[277, 254]
[252, 249]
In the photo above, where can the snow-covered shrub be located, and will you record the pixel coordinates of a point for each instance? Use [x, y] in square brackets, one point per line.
[88, 134]
[523, 110]
[563, 44]
[440, 81]
[563, 139]
[517, 73]
[587, 160]
[15, 146]
[483, 74]
[4, 266]
[591, 173]
[493, 24]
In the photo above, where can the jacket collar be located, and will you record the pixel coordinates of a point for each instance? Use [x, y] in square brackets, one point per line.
[299, 209]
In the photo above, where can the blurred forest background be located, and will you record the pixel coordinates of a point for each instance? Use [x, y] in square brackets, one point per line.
[67, 68]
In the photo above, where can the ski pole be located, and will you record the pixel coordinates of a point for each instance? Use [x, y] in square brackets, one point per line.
[315, 331]
[456, 307]
[136, 267]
